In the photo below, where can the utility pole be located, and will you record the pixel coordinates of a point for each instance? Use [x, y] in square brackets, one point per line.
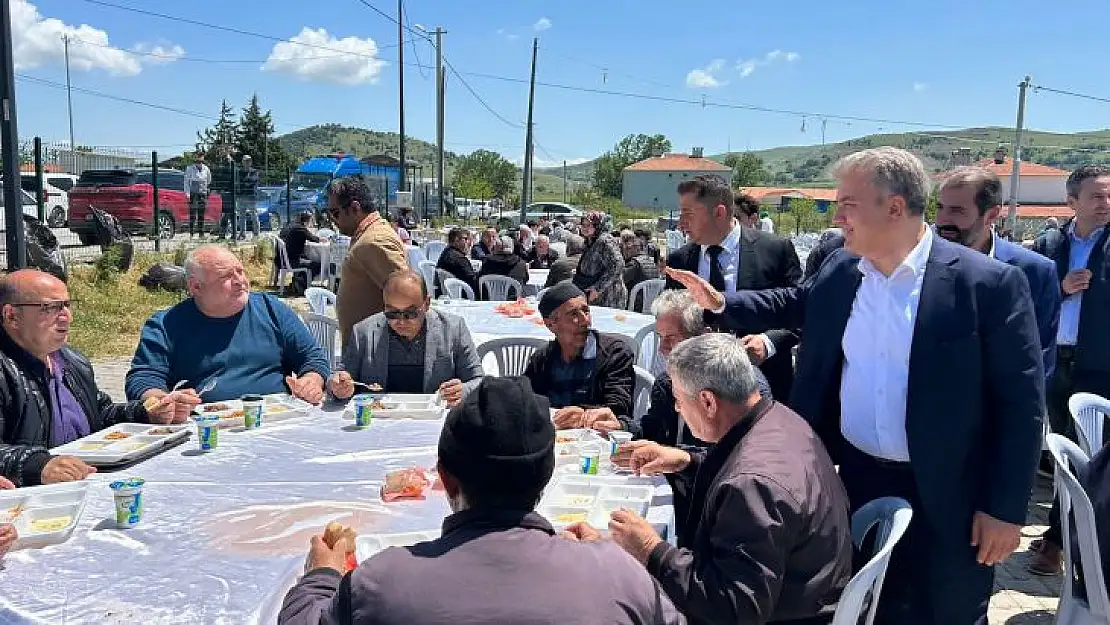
[824, 122]
[9, 145]
[441, 80]
[526, 192]
[1015, 173]
[401, 92]
[564, 182]
[69, 101]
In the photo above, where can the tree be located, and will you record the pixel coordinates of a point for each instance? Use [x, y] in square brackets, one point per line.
[474, 188]
[219, 140]
[747, 170]
[609, 168]
[490, 168]
[803, 209]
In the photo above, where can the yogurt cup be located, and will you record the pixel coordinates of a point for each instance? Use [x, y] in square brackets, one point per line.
[589, 458]
[252, 411]
[363, 406]
[208, 432]
[616, 439]
[128, 495]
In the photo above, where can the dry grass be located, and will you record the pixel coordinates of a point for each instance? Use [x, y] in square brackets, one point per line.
[111, 309]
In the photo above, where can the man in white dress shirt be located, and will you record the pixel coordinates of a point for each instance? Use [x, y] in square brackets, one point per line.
[922, 372]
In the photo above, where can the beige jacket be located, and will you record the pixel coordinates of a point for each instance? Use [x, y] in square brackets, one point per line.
[376, 251]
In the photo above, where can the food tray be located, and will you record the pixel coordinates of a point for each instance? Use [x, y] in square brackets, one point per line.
[276, 407]
[123, 443]
[55, 501]
[403, 406]
[569, 499]
[370, 544]
[566, 447]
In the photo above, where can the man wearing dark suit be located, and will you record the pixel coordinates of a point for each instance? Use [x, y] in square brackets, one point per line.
[1080, 250]
[922, 371]
[455, 259]
[734, 258]
[970, 201]
[829, 241]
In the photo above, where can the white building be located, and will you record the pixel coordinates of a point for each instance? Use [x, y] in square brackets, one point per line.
[1037, 184]
[653, 183]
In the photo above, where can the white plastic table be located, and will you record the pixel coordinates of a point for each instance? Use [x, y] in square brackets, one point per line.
[225, 533]
[486, 323]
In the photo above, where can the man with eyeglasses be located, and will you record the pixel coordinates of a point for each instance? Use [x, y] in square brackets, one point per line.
[376, 252]
[48, 394]
[408, 348]
[584, 373]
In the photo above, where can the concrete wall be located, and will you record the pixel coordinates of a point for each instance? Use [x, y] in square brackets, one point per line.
[1037, 189]
[658, 190]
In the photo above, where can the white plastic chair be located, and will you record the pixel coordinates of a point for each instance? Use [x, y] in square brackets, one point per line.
[432, 250]
[892, 515]
[511, 353]
[414, 255]
[428, 270]
[1075, 506]
[336, 255]
[285, 268]
[539, 295]
[644, 347]
[675, 240]
[496, 288]
[650, 290]
[1089, 411]
[641, 392]
[319, 299]
[324, 329]
[457, 289]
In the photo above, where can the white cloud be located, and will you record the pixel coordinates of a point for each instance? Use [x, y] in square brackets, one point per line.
[746, 67]
[347, 61]
[159, 54]
[706, 78]
[500, 31]
[37, 41]
[920, 86]
[542, 24]
[512, 37]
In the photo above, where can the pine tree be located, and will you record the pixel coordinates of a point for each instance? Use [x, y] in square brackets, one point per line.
[223, 138]
[256, 137]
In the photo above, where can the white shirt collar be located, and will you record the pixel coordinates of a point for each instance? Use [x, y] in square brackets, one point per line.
[994, 244]
[731, 241]
[589, 352]
[914, 262]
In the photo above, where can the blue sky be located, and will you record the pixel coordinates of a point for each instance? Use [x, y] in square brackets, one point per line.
[940, 63]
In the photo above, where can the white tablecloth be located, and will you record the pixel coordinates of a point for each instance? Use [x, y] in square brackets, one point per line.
[538, 277]
[225, 533]
[485, 323]
[318, 252]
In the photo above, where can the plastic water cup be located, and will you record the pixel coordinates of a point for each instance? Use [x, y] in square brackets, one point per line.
[128, 495]
[616, 439]
[252, 411]
[589, 458]
[208, 432]
[364, 410]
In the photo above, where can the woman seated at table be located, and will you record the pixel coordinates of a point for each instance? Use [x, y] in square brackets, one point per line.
[408, 348]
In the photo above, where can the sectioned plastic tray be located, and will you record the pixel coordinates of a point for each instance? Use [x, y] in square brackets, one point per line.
[572, 498]
[123, 443]
[369, 544]
[403, 406]
[276, 407]
[61, 503]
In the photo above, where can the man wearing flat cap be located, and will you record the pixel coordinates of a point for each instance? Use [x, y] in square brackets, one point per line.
[584, 373]
[497, 560]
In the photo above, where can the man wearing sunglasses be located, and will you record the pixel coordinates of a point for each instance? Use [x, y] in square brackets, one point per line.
[376, 251]
[48, 395]
[408, 348]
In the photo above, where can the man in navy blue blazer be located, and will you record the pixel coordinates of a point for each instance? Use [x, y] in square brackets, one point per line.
[921, 369]
[970, 201]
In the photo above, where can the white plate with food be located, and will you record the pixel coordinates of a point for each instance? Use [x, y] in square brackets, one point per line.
[44, 515]
[401, 406]
[275, 407]
[569, 499]
[124, 442]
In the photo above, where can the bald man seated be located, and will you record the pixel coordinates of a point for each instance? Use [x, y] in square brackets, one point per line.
[408, 348]
[48, 395]
[228, 338]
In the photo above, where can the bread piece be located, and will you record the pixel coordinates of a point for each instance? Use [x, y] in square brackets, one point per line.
[334, 532]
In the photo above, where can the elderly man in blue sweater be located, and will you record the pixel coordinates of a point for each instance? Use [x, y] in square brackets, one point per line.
[246, 342]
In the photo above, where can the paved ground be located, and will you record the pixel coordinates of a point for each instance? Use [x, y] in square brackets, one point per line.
[1019, 598]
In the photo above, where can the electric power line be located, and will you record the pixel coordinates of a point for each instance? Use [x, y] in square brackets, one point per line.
[477, 97]
[108, 96]
[389, 17]
[415, 53]
[1071, 93]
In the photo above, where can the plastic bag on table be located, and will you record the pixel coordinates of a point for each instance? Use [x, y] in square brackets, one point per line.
[405, 484]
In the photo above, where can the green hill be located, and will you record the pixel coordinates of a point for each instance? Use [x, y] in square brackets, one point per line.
[328, 138]
[809, 164]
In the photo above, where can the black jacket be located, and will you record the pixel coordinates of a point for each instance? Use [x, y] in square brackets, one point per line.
[458, 265]
[562, 269]
[295, 236]
[500, 264]
[820, 252]
[611, 384]
[535, 261]
[25, 412]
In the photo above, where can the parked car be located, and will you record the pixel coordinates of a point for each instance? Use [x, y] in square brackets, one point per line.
[30, 205]
[272, 209]
[128, 195]
[551, 210]
[55, 188]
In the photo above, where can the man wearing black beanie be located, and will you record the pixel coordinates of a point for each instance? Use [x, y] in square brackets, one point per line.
[497, 561]
[587, 374]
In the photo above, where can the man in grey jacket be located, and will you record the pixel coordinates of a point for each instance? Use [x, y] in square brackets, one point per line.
[408, 348]
[497, 561]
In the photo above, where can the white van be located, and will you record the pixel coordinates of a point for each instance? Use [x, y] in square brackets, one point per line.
[55, 197]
